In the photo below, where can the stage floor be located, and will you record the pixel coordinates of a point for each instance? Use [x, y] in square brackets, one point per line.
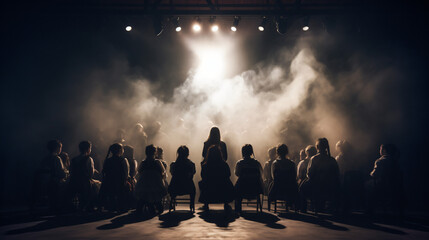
[214, 224]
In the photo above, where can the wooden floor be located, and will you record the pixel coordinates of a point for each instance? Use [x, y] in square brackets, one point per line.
[215, 224]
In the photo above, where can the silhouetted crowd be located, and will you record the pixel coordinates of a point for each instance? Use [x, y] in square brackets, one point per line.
[319, 181]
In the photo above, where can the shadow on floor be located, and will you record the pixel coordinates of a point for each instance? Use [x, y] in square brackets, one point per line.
[318, 220]
[219, 217]
[123, 220]
[173, 219]
[360, 220]
[418, 223]
[270, 220]
[63, 221]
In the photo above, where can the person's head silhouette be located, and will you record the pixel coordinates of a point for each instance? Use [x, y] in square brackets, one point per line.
[116, 149]
[85, 147]
[150, 151]
[282, 150]
[54, 147]
[247, 151]
[182, 152]
[272, 153]
[310, 151]
[322, 146]
[214, 136]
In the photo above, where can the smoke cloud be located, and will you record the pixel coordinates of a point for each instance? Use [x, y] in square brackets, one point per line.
[296, 92]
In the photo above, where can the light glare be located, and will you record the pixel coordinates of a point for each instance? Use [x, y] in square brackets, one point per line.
[178, 29]
[233, 28]
[128, 28]
[261, 28]
[215, 28]
[196, 27]
[305, 28]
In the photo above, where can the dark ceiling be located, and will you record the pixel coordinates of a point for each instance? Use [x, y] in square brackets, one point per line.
[212, 7]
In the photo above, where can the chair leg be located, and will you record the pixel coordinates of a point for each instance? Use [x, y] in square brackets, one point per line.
[269, 205]
[275, 206]
[171, 204]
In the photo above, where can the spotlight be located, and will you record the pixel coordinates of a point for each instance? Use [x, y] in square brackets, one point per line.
[197, 25]
[281, 25]
[214, 26]
[157, 25]
[177, 24]
[305, 25]
[235, 23]
[261, 26]
[128, 28]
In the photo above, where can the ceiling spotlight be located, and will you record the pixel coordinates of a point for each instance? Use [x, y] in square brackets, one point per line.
[214, 26]
[177, 24]
[235, 23]
[281, 25]
[128, 28]
[305, 25]
[197, 25]
[261, 26]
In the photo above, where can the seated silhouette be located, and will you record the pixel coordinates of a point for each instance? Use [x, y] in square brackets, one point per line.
[114, 187]
[284, 186]
[82, 183]
[182, 171]
[131, 181]
[387, 180]
[323, 176]
[215, 185]
[249, 184]
[268, 179]
[51, 177]
[310, 151]
[150, 187]
[351, 177]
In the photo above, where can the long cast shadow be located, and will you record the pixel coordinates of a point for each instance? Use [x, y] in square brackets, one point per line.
[363, 221]
[123, 220]
[63, 221]
[173, 219]
[219, 217]
[313, 220]
[270, 220]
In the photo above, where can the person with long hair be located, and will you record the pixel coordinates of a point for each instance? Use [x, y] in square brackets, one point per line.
[249, 184]
[323, 175]
[215, 139]
[284, 186]
[115, 174]
[150, 187]
[215, 185]
[182, 172]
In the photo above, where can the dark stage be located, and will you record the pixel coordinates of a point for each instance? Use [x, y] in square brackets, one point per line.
[214, 224]
[353, 74]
